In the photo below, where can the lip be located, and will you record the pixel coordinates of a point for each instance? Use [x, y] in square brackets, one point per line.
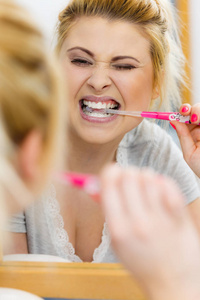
[97, 99]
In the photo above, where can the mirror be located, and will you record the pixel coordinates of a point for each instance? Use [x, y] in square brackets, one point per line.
[105, 280]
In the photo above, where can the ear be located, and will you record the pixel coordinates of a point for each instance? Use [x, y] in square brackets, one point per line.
[29, 156]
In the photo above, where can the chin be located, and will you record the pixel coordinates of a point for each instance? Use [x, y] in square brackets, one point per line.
[96, 139]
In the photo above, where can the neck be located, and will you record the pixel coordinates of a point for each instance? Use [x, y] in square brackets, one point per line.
[86, 157]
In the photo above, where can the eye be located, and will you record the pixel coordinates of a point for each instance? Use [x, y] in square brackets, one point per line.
[81, 62]
[124, 67]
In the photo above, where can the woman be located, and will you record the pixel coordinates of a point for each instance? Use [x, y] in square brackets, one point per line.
[31, 117]
[120, 54]
[22, 147]
[31, 108]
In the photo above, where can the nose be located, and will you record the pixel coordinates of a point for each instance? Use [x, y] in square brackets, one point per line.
[99, 80]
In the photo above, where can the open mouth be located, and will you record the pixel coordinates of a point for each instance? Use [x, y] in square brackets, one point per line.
[95, 109]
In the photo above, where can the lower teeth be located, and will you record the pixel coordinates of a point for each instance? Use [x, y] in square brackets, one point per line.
[95, 114]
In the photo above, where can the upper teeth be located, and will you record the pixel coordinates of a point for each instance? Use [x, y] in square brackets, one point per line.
[99, 105]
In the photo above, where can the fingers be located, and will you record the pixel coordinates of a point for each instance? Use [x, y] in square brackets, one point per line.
[186, 109]
[184, 131]
[172, 198]
[161, 195]
[121, 197]
[132, 191]
[129, 192]
[134, 197]
[186, 140]
[195, 114]
[110, 194]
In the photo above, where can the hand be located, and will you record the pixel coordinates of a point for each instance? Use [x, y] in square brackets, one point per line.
[189, 136]
[151, 232]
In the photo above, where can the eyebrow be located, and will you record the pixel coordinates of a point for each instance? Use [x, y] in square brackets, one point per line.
[114, 59]
[82, 49]
[124, 57]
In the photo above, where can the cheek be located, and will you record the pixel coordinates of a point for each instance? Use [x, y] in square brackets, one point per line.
[136, 87]
[75, 79]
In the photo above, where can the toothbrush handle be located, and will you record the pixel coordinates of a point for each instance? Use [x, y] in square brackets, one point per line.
[156, 115]
[168, 116]
[180, 118]
[87, 182]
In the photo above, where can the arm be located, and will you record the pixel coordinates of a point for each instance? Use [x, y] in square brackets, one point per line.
[16, 235]
[194, 210]
[17, 245]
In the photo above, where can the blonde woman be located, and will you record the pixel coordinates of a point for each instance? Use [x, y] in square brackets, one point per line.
[120, 54]
[31, 108]
[35, 93]
[31, 118]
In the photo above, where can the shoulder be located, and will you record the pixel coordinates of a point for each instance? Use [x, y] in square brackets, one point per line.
[17, 223]
[151, 146]
[146, 136]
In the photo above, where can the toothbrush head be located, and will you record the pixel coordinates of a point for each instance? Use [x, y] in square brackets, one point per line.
[89, 109]
[97, 110]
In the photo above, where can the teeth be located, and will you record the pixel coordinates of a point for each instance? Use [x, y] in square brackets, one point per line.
[99, 105]
[111, 105]
[96, 115]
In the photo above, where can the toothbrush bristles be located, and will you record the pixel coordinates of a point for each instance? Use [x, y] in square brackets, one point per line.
[114, 112]
[90, 109]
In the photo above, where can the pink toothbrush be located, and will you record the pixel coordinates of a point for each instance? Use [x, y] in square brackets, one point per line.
[87, 182]
[168, 116]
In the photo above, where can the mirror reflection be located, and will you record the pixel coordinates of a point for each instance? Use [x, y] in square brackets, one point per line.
[82, 182]
[103, 68]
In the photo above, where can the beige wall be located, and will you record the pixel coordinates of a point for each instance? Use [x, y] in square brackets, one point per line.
[45, 13]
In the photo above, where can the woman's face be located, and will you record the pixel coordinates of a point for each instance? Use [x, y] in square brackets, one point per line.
[106, 64]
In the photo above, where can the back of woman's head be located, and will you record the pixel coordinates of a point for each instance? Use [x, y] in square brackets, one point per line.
[30, 96]
[155, 19]
[30, 100]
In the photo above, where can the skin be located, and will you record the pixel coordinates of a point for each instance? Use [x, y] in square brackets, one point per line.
[30, 180]
[189, 136]
[32, 176]
[99, 73]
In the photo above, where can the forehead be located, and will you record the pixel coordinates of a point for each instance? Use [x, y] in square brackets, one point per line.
[105, 37]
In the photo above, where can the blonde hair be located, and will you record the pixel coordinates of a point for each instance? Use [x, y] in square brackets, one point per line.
[156, 19]
[30, 93]
[31, 98]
